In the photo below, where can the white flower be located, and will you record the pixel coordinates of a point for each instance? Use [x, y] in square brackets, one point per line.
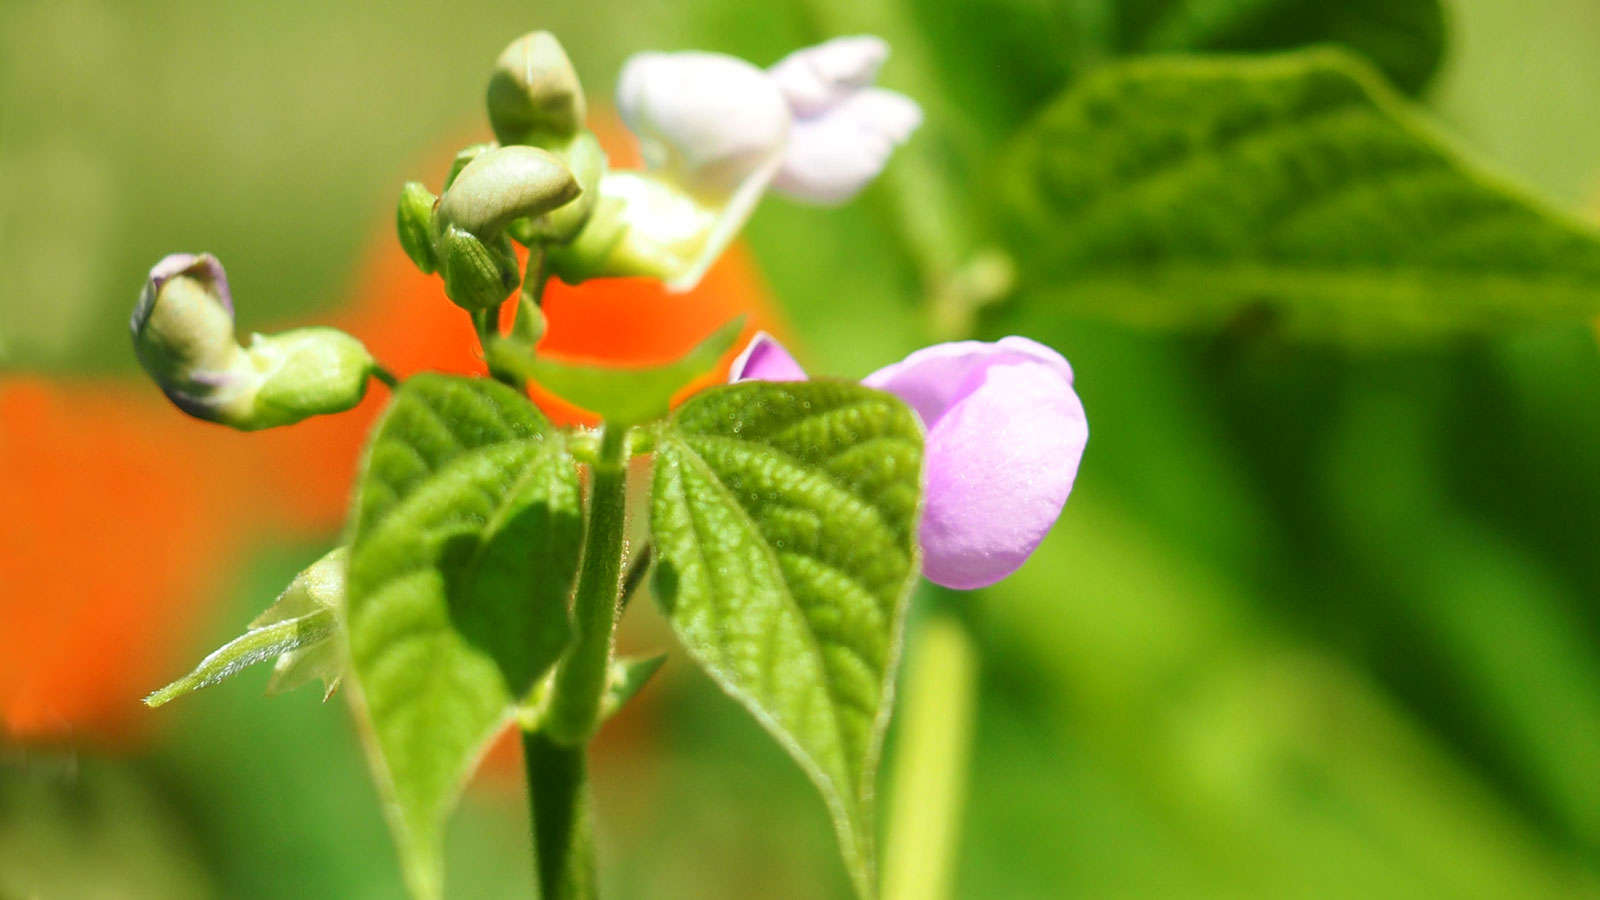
[716, 132]
[844, 129]
[710, 122]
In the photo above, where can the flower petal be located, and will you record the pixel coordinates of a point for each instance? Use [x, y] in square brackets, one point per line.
[999, 467]
[1005, 435]
[934, 378]
[764, 359]
[202, 266]
[813, 79]
[709, 120]
[833, 155]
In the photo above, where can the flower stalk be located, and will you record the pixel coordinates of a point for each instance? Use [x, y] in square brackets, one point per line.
[938, 702]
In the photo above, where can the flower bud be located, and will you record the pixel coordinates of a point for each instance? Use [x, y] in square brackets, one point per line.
[534, 93]
[306, 372]
[463, 157]
[478, 273]
[183, 336]
[530, 324]
[414, 222]
[587, 162]
[503, 185]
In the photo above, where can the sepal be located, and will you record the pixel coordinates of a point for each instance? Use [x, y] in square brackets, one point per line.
[414, 223]
[302, 630]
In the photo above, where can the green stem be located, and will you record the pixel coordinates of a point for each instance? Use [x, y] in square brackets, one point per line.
[563, 820]
[387, 377]
[580, 677]
[930, 763]
[486, 322]
[555, 754]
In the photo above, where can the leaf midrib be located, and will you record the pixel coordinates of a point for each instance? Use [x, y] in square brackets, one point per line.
[787, 594]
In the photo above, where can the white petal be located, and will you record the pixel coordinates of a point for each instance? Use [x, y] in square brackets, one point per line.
[816, 78]
[831, 157]
[706, 120]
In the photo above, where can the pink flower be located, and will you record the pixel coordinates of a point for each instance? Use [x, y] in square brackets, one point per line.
[1005, 434]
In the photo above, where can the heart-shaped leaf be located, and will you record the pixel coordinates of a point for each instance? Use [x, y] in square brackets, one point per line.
[466, 542]
[784, 523]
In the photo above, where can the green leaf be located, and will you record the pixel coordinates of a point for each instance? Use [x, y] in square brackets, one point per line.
[1403, 38]
[1296, 192]
[466, 542]
[301, 629]
[318, 588]
[626, 678]
[784, 523]
[622, 396]
[254, 646]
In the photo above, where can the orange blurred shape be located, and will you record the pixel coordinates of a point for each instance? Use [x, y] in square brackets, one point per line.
[122, 517]
[116, 525]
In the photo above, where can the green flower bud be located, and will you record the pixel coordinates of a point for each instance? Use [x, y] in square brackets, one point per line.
[414, 222]
[534, 93]
[503, 185]
[306, 372]
[183, 336]
[530, 324]
[464, 156]
[478, 273]
[587, 161]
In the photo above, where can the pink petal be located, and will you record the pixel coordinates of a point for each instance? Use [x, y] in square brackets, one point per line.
[1005, 435]
[764, 359]
[932, 379]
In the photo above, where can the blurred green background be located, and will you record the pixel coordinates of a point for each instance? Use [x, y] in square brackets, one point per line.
[1316, 623]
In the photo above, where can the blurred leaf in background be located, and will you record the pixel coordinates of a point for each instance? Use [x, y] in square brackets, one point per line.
[1320, 623]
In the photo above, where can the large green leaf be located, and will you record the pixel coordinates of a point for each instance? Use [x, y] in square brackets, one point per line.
[784, 522]
[1404, 38]
[1296, 192]
[465, 546]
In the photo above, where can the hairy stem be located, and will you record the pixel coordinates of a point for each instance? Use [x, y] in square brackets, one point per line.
[563, 821]
[930, 764]
[580, 677]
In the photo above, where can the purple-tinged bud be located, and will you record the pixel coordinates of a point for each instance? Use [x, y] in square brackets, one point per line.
[183, 335]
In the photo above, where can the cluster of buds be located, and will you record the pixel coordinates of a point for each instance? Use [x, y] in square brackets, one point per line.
[183, 334]
[715, 131]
